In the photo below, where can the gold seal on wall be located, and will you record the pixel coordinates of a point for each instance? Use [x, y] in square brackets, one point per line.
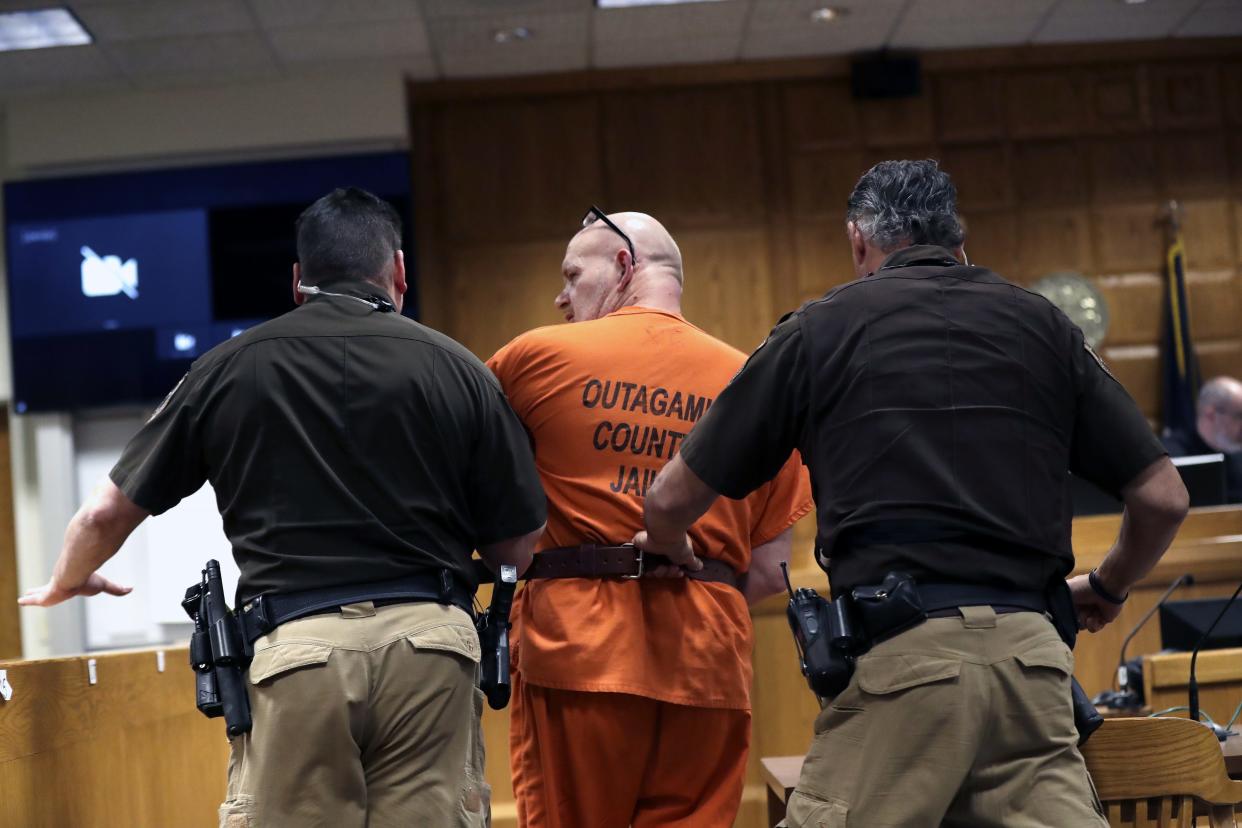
[1078, 299]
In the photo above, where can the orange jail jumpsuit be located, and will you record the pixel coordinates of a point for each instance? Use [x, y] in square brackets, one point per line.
[631, 699]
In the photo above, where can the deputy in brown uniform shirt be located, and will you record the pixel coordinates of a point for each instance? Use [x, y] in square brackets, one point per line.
[939, 409]
[347, 444]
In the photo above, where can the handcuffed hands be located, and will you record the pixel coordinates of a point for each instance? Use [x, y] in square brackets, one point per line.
[679, 552]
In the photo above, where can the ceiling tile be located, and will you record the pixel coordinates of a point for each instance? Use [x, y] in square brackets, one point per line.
[154, 62]
[692, 33]
[724, 19]
[293, 14]
[465, 46]
[659, 51]
[1215, 18]
[497, 8]
[164, 18]
[783, 28]
[936, 24]
[343, 42]
[64, 68]
[1099, 20]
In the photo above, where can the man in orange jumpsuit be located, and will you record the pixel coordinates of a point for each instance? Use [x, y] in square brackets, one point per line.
[615, 721]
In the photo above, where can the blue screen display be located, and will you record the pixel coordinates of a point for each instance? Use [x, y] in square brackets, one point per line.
[109, 273]
[118, 282]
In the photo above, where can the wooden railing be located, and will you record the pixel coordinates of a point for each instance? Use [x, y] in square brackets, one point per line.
[131, 750]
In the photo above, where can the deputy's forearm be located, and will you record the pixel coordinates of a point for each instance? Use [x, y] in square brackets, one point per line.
[517, 551]
[95, 534]
[764, 578]
[676, 499]
[1156, 503]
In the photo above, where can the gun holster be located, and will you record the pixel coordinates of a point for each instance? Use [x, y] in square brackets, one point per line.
[493, 628]
[831, 635]
[1065, 618]
[218, 654]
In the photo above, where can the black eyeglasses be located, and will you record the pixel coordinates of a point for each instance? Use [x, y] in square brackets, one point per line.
[596, 214]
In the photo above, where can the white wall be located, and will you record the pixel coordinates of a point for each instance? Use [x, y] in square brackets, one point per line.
[58, 458]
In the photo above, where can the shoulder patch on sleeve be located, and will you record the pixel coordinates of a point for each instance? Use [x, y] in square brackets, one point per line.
[1098, 360]
[164, 403]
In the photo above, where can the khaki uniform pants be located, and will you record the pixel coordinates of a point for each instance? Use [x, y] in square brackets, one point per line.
[957, 722]
[363, 718]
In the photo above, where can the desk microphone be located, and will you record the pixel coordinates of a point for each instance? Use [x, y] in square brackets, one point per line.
[1220, 732]
[1125, 697]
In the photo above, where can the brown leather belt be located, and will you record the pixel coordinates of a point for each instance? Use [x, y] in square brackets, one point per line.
[628, 562]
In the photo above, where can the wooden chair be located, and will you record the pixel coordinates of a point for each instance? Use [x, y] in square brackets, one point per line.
[1153, 772]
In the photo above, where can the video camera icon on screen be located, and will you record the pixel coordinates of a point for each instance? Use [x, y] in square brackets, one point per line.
[107, 275]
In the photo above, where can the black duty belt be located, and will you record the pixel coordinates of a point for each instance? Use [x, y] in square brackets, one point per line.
[267, 612]
[626, 561]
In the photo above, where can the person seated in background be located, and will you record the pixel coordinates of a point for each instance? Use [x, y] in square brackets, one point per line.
[1218, 428]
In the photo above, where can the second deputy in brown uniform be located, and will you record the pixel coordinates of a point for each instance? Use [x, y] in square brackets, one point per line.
[359, 454]
[939, 409]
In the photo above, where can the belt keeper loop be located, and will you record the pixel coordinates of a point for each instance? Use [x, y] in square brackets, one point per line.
[446, 586]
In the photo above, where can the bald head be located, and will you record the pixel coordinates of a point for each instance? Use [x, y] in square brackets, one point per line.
[601, 276]
[654, 248]
[1220, 414]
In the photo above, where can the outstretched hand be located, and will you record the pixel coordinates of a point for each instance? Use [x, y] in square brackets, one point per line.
[680, 553]
[1094, 613]
[50, 594]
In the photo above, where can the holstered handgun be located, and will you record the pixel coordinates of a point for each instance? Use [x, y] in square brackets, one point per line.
[493, 626]
[216, 654]
[1065, 618]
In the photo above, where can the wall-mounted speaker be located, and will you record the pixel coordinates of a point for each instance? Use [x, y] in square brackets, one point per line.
[886, 76]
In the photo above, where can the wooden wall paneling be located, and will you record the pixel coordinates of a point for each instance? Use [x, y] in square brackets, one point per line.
[897, 122]
[1135, 307]
[982, 175]
[992, 241]
[516, 170]
[431, 264]
[1214, 311]
[1129, 238]
[1118, 99]
[969, 106]
[1137, 367]
[778, 187]
[1050, 172]
[728, 290]
[1217, 359]
[820, 114]
[823, 257]
[1051, 240]
[10, 621]
[1192, 164]
[1186, 95]
[1207, 234]
[700, 167]
[1231, 84]
[1045, 103]
[1122, 168]
[1236, 208]
[874, 155]
[502, 290]
[821, 182]
[1234, 140]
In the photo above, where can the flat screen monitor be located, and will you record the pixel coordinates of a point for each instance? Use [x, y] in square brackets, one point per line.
[1203, 476]
[1183, 623]
[117, 282]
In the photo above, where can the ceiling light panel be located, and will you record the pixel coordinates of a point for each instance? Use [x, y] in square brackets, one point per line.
[41, 29]
[629, 4]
